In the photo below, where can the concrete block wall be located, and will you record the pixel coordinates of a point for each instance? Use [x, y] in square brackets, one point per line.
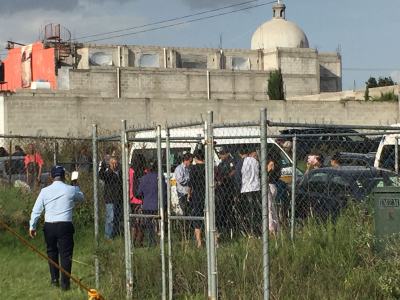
[73, 114]
[270, 60]
[296, 85]
[305, 72]
[171, 83]
[130, 55]
[96, 80]
[330, 72]
[2, 115]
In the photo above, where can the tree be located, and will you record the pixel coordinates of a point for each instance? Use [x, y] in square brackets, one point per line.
[275, 86]
[382, 81]
[385, 81]
[371, 83]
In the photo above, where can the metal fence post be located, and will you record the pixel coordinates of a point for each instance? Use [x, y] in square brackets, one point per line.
[10, 163]
[396, 155]
[55, 154]
[127, 237]
[161, 205]
[294, 180]
[211, 207]
[95, 204]
[206, 208]
[264, 197]
[168, 165]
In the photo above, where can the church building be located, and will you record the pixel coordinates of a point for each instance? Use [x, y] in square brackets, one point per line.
[134, 71]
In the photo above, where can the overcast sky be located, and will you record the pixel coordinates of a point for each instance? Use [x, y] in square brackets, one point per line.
[365, 31]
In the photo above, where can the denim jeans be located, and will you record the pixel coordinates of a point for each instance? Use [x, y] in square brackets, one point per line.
[109, 223]
[149, 228]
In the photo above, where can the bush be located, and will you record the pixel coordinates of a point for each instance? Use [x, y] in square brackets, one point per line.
[388, 96]
[15, 206]
[275, 86]
[382, 81]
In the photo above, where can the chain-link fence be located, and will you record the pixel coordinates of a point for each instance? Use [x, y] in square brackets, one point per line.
[335, 166]
[202, 209]
[25, 161]
[204, 193]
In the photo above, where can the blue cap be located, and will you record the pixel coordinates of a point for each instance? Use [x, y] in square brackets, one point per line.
[57, 171]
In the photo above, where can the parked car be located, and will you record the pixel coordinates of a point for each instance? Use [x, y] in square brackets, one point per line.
[357, 159]
[324, 192]
[337, 142]
[386, 153]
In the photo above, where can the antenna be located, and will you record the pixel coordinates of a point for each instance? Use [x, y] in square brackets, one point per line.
[339, 49]
[220, 41]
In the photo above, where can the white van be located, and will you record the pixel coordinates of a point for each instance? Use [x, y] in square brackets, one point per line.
[230, 138]
[385, 155]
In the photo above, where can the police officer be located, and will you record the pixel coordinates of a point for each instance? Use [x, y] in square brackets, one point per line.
[58, 201]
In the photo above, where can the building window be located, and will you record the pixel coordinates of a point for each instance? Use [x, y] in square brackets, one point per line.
[240, 63]
[149, 61]
[192, 61]
[101, 58]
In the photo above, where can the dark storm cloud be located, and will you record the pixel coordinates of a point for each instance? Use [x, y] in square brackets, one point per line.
[210, 3]
[15, 6]
[10, 7]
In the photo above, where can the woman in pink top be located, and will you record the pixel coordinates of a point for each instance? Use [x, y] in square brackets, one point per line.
[136, 171]
[274, 173]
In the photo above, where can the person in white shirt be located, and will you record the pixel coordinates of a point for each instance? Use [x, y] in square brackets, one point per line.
[182, 177]
[250, 199]
[58, 201]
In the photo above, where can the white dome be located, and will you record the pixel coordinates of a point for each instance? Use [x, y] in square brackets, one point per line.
[279, 32]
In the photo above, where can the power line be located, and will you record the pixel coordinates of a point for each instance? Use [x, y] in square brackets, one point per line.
[181, 23]
[167, 20]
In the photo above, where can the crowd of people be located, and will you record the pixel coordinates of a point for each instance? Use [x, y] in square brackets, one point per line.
[143, 195]
[27, 167]
[30, 166]
[238, 204]
[237, 190]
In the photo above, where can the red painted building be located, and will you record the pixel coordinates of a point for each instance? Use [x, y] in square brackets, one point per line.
[27, 64]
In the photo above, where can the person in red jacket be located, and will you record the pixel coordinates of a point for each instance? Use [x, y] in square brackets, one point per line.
[33, 166]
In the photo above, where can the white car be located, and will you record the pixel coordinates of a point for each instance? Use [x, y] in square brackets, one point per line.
[185, 140]
[385, 157]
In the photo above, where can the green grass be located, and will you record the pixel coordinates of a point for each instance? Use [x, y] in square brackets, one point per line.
[326, 261]
[24, 275]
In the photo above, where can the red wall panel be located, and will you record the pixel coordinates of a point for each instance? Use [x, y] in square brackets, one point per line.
[43, 67]
[12, 69]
